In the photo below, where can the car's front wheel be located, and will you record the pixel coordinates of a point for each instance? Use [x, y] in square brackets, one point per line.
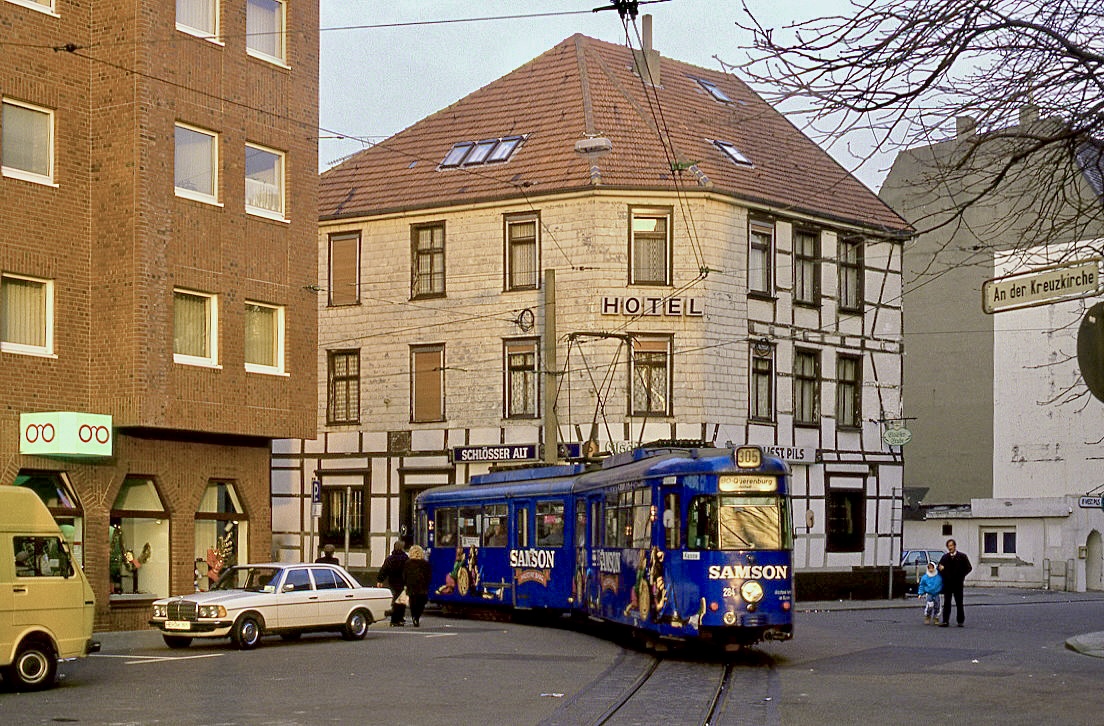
[34, 667]
[356, 627]
[177, 641]
[246, 633]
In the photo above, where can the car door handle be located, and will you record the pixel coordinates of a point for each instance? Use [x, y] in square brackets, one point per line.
[313, 597]
[19, 589]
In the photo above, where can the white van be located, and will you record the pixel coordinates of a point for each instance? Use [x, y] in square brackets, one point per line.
[46, 603]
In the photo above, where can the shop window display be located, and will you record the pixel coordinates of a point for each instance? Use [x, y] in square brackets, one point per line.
[53, 488]
[139, 541]
[221, 533]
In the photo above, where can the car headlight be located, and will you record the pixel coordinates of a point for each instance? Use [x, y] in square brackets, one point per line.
[751, 591]
[160, 611]
[212, 611]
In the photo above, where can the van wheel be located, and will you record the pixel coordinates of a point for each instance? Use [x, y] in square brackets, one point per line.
[34, 667]
[177, 641]
[356, 627]
[246, 633]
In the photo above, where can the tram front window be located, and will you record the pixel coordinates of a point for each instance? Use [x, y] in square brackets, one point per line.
[735, 523]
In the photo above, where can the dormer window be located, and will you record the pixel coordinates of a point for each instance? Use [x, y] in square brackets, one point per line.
[486, 151]
[714, 90]
[733, 153]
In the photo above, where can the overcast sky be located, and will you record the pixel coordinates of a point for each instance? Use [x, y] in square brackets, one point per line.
[386, 65]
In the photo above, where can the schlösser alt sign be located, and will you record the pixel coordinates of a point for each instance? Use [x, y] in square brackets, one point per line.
[1041, 287]
[495, 452]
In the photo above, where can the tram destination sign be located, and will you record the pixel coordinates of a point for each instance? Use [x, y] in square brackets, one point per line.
[494, 452]
[1041, 287]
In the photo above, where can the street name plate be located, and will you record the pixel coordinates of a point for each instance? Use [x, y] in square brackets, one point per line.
[1041, 287]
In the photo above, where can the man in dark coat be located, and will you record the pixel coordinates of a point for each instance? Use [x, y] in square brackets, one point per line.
[953, 566]
[392, 574]
[328, 557]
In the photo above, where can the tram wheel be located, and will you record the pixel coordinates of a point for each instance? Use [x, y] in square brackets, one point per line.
[463, 581]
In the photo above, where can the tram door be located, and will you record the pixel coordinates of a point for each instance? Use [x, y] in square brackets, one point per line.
[521, 538]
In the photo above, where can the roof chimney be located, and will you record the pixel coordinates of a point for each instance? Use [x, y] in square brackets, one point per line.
[965, 126]
[646, 60]
[1029, 114]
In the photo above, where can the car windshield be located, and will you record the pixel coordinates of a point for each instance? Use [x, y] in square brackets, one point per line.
[251, 579]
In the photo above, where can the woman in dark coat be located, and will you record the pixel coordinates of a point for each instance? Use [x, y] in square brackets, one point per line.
[416, 572]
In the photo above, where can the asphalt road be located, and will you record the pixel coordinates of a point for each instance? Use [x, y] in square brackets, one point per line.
[846, 665]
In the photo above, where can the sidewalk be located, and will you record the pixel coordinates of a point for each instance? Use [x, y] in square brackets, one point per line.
[1091, 644]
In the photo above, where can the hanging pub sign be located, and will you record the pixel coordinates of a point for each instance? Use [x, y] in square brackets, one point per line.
[65, 433]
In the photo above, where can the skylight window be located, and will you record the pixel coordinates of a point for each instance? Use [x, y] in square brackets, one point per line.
[714, 90]
[487, 151]
[733, 153]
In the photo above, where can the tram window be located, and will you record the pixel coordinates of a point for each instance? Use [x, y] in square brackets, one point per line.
[642, 518]
[550, 524]
[702, 525]
[672, 521]
[445, 526]
[494, 525]
[580, 524]
[595, 523]
[469, 526]
[521, 526]
[611, 524]
[750, 523]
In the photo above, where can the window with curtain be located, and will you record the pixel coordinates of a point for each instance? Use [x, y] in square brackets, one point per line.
[199, 17]
[650, 247]
[428, 265]
[264, 181]
[26, 315]
[427, 383]
[194, 328]
[37, 4]
[806, 252]
[264, 338]
[196, 164]
[27, 141]
[343, 387]
[851, 274]
[521, 378]
[761, 398]
[651, 377]
[344, 277]
[264, 28]
[760, 258]
[848, 392]
[806, 387]
[521, 253]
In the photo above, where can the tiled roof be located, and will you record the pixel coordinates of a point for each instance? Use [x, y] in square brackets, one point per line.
[585, 87]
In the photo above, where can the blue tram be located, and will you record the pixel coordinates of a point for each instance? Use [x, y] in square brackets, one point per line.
[681, 542]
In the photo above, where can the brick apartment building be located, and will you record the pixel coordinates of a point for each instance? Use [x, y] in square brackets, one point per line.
[718, 277]
[157, 263]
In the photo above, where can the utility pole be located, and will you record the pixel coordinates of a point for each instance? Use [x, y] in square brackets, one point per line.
[551, 424]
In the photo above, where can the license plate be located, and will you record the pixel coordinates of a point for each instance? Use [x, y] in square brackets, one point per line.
[177, 625]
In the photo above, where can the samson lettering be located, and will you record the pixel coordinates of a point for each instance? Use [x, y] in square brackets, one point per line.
[607, 561]
[748, 572]
[543, 559]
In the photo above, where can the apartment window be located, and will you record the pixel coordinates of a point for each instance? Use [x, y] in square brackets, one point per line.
[195, 328]
[46, 6]
[27, 142]
[427, 383]
[650, 247]
[264, 182]
[343, 515]
[998, 542]
[198, 17]
[264, 338]
[848, 392]
[196, 164]
[851, 274]
[761, 398]
[760, 258]
[344, 274]
[428, 265]
[521, 378]
[522, 262]
[651, 377]
[845, 514]
[806, 253]
[26, 315]
[806, 387]
[264, 29]
[343, 387]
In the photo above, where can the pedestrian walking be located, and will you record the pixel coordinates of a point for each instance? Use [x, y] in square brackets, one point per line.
[931, 584]
[392, 574]
[416, 573]
[953, 566]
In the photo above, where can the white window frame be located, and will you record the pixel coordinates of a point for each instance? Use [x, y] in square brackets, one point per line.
[211, 359]
[46, 350]
[49, 7]
[193, 194]
[279, 321]
[280, 58]
[281, 183]
[212, 33]
[1000, 532]
[15, 172]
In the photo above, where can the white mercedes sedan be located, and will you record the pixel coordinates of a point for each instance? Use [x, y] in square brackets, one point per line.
[280, 598]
